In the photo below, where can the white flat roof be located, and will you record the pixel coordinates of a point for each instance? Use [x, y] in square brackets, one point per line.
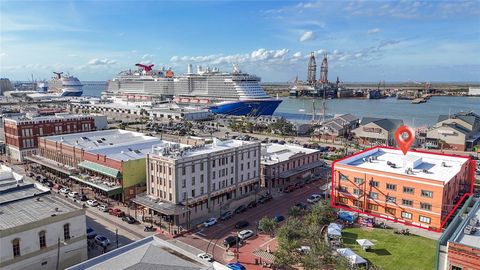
[273, 153]
[431, 162]
[116, 144]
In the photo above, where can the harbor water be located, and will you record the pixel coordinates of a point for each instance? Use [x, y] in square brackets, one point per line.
[416, 115]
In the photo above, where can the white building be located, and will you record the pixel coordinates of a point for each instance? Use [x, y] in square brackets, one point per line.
[36, 225]
[474, 91]
[206, 179]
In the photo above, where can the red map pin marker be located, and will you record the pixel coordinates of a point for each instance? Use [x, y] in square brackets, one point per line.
[405, 143]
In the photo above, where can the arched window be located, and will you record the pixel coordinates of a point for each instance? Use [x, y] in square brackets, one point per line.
[66, 231]
[42, 239]
[16, 247]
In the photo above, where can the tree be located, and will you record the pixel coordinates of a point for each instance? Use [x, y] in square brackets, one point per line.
[267, 225]
[295, 211]
[321, 213]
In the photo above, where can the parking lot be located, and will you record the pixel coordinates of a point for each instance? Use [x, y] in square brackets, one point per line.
[210, 240]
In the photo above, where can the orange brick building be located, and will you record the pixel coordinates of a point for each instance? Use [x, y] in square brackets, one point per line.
[419, 188]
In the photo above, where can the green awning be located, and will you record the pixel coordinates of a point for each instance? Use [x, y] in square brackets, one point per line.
[99, 168]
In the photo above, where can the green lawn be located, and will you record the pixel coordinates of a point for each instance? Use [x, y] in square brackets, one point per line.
[392, 251]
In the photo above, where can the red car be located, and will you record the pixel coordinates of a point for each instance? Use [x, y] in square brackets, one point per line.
[116, 212]
[289, 189]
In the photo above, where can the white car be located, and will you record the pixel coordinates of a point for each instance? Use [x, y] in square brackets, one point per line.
[102, 240]
[210, 222]
[92, 202]
[245, 234]
[73, 194]
[103, 208]
[65, 190]
[205, 256]
[314, 198]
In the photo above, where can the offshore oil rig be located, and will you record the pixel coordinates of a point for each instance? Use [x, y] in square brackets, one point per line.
[318, 88]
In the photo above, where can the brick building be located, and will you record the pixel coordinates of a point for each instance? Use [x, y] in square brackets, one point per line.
[283, 165]
[22, 131]
[187, 184]
[463, 248]
[460, 132]
[420, 188]
[111, 162]
[377, 131]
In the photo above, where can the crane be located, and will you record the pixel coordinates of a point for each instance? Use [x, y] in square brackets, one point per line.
[59, 74]
[145, 68]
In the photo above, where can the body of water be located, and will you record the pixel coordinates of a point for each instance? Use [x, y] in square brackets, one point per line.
[416, 115]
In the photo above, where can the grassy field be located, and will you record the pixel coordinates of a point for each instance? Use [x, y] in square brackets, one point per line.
[392, 251]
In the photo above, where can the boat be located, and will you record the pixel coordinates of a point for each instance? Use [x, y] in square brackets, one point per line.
[65, 85]
[230, 93]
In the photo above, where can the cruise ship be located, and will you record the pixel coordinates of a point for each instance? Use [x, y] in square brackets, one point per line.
[65, 85]
[231, 93]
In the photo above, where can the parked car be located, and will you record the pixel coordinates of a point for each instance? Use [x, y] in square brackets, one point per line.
[252, 204]
[314, 198]
[205, 256]
[242, 208]
[301, 205]
[241, 224]
[116, 212]
[245, 234]
[49, 184]
[30, 174]
[210, 222]
[38, 177]
[278, 218]
[129, 219]
[102, 207]
[73, 194]
[102, 241]
[299, 185]
[91, 233]
[289, 188]
[92, 202]
[236, 266]
[226, 215]
[83, 198]
[64, 190]
[231, 241]
[265, 198]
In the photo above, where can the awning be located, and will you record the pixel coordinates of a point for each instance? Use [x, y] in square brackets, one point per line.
[163, 207]
[109, 190]
[101, 169]
[264, 255]
[51, 164]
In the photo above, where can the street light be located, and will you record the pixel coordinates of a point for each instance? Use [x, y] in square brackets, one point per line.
[58, 252]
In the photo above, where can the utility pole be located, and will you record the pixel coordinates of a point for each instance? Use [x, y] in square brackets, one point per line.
[116, 236]
[238, 243]
[58, 254]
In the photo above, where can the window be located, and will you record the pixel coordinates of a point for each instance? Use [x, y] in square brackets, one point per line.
[391, 199]
[374, 183]
[343, 200]
[193, 193]
[193, 168]
[406, 215]
[358, 192]
[16, 247]
[202, 191]
[426, 193]
[213, 175]
[201, 166]
[342, 177]
[424, 219]
[201, 178]
[408, 190]
[391, 186]
[358, 181]
[66, 231]
[456, 267]
[184, 183]
[407, 202]
[213, 163]
[373, 195]
[343, 189]
[357, 203]
[183, 170]
[193, 181]
[426, 206]
[372, 206]
[184, 196]
[390, 211]
[42, 239]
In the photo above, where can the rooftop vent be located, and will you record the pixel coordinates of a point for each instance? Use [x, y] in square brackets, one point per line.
[56, 209]
[409, 171]
[425, 171]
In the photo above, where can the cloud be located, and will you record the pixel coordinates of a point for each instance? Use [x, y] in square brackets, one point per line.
[308, 35]
[3, 54]
[373, 31]
[28, 22]
[145, 56]
[101, 62]
[297, 55]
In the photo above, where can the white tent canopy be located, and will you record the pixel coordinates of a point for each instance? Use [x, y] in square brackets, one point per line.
[333, 232]
[352, 257]
[335, 226]
[365, 243]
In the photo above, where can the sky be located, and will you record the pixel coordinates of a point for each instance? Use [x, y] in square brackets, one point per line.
[365, 41]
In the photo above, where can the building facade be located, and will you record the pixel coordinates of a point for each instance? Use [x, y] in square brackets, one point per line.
[38, 230]
[459, 132]
[22, 132]
[283, 165]
[377, 131]
[420, 188]
[340, 126]
[186, 184]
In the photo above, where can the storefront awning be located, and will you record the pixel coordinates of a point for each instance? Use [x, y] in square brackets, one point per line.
[109, 190]
[101, 169]
[51, 164]
[166, 208]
